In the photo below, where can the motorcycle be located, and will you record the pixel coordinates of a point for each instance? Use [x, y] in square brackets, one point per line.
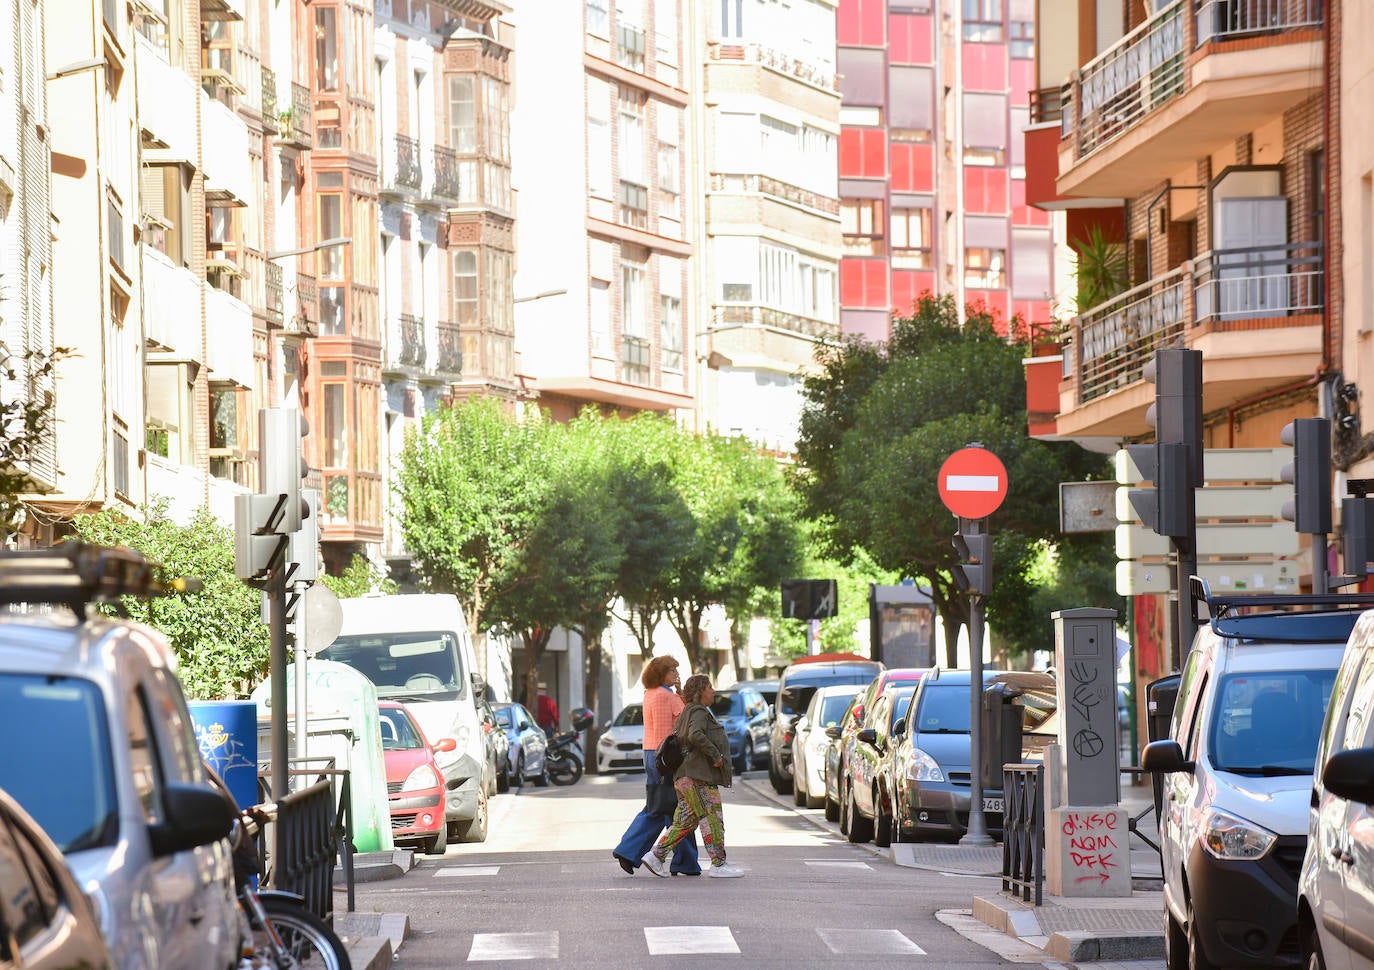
[564, 752]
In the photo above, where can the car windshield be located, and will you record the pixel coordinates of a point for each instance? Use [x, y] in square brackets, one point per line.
[900, 703]
[1267, 723]
[632, 716]
[62, 723]
[944, 710]
[398, 734]
[726, 704]
[503, 717]
[833, 708]
[419, 666]
[793, 698]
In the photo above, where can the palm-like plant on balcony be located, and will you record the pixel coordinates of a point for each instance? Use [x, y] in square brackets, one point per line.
[1101, 272]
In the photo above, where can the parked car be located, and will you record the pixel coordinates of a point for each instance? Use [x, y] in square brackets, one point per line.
[114, 775]
[414, 785]
[621, 745]
[809, 741]
[525, 744]
[744, 714]
[1237, 783]
[931, 769]
[55, 929]
[858, 717]
[498, 748]
[866, 800]
[768, 687]
[835, 736]
[798, 682]
[1336, 885]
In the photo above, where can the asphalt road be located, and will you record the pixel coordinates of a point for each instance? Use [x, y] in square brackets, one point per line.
[544, 891]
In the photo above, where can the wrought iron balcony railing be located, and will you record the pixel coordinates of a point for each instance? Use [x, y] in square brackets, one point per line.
[408, 162]
[272, 298]
[768, 317]
[296, 125]
[450, 349]
[446, 173]
[412, 341]
[269, 99]
[1259, 282]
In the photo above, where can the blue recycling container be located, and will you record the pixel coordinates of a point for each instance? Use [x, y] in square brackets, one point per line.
[227, 732]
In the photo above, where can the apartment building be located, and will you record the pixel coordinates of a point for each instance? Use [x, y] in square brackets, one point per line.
[1193, 134]
[601, 152]
[446, 218]
[936, 95]
[769, 251]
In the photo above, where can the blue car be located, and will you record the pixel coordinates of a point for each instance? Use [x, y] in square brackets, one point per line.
[745, 715]
[527, 744]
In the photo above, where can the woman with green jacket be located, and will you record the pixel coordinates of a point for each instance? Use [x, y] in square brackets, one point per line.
[697, 781]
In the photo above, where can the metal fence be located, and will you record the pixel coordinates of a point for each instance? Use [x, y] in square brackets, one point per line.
[1225, 19]
[1133, 77]
[311, 830]
[1023, 831]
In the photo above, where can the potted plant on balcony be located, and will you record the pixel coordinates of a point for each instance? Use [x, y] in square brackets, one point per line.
[1101, 271]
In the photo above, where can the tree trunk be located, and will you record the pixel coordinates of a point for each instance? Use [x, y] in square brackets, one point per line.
[739, 648]
[535, 641]
[591, 683]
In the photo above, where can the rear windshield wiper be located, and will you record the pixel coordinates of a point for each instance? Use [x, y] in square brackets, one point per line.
[1267, 771]
[941, 731]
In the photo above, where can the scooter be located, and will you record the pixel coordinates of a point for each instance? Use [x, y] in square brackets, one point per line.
[564, 752]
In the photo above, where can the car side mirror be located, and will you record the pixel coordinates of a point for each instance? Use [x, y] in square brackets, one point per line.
[479, 684]
[867, 736]
[1350, 774]
[899, 729]
[1164, 756]
[445, 744]
[772, 712]
[193, 816]
[833, 733]
[525, 725]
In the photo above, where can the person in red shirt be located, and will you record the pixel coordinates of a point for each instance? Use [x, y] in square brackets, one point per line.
[546, 711]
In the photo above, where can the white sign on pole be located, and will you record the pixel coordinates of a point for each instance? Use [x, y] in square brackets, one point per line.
[1271, 540]
[1249, 576]
[1220, 465]
[1222, 502]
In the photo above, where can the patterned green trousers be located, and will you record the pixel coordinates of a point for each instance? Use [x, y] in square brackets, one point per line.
[698, 805]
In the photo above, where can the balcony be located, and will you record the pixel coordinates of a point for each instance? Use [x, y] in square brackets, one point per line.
[307, 317]
[412, 341]
[762, 316]
[228, 179]
[272, 296]
[407, 174]
[817, 75]
[446, 174]
[166, 104]
[172, 296]
[229, 338]
[269, 99]
[629, 47]
[1198, 74]
[296, 124]
[450, 350]
[1255, 313]
[776, 189]
[634, 354]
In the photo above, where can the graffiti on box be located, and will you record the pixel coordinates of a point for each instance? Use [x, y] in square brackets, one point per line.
[1094, 841]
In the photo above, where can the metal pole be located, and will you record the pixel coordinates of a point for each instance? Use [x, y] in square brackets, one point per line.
[1320, 580]
[276, 627]
[977, 825]
[300, 673]
[1186, 622]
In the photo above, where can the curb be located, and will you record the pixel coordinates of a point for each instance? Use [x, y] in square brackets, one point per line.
[1085, 946]
[376, 866]
[372, 939]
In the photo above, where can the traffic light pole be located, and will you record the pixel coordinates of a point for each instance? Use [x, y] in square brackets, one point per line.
[276, 628]
[977, 825]
[302, 703]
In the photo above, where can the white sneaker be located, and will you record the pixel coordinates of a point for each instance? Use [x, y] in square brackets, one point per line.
[725, 871]
[654, 864]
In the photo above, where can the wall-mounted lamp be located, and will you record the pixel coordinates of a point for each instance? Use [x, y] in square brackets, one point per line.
[539, 296]
[326, 244]
[76, 67]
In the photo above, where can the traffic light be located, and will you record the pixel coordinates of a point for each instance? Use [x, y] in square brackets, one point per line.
[1357, 542]
[809, 599]
[973, 574]
[1310, 475]
[282, 461]
[305, 541]
[1174, 462]
[259, 545]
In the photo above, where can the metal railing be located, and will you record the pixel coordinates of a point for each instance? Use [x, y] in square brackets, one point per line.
[412, 340]
[1228, 19]
[1023, 831]
[272, 291]
[446, 173]
[269, 98]
[817, 75]
[1139, 73]
[778, 189]
[724, 316]
[296, 124]
[310, 832]
[307, 303]
[1111, 343]
[1047, 104]
[450, 348]
[1258, 282]
[408, 162]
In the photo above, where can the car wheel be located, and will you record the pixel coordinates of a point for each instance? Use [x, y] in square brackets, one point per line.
[845, 815]
[860, 828]
[798, 787]
[1314, 959]
[1197, 957]
[1175, 943]
[832, 810]
[438, 844]
[518, 777]
[882, 824]
[476, 830]
[746, 755]
[541, 780]
[503, 779]
[781, 783]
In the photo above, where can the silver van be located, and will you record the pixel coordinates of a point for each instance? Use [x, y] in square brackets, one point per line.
[102, 754]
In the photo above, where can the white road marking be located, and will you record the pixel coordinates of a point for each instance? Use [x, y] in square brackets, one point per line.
[514, 946]
[972, 483]
[838, 864]
[853, 942]
[466, 871]
[670, 940]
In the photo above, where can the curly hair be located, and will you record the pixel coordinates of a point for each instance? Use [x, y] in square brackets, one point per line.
[655, 670]
[694, 687]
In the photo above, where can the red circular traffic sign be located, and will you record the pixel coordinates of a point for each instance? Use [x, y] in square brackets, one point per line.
[973, 483]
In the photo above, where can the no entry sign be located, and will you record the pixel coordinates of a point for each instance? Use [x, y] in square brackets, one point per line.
[973, 483]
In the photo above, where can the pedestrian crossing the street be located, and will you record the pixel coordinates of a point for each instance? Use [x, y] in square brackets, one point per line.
[690, 940]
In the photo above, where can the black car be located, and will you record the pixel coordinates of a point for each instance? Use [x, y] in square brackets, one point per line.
[798, 682]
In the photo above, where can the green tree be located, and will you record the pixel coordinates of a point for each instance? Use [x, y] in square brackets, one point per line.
[217, 634]
[26, 425]
[361, 577]
[880, 419]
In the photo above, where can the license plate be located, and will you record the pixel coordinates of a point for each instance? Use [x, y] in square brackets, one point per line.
[993, 804]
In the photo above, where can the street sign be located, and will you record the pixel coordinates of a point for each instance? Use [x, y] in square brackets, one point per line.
[973, 483]
[1250, 576]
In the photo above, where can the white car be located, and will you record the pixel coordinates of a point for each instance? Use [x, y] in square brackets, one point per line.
[621, 745]
[1336, 886]
[809, 741]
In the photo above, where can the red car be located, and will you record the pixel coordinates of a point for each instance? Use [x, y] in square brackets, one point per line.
[414, 785]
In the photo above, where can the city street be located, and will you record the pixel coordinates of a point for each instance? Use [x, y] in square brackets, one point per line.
[544, 889]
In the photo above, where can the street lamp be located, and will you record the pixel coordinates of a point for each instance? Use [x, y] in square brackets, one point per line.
[76, 67]
[539, 296]
[326, 244]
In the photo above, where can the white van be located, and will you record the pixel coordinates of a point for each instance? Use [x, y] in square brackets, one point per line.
[1336, 887]
[416, 649]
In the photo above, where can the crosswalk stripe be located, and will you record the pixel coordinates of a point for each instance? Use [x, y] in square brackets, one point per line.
[669, 940]
[514, 946]
[854, 942]
[466, 871]
[838, 864]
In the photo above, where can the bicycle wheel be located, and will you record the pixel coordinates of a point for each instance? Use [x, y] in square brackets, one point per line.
[308, 940]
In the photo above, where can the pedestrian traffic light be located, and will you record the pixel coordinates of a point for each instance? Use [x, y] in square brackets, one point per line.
[1173, 463]
[282, 461]
[259, 545]
[304, 553]
[1357, 542]
[1310, 475]
[809, 599]
[973, 573]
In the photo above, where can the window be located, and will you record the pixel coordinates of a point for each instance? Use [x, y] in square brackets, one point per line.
[634, 205]
[336, 430]
[665, 22]
[731, 19]
[911, 239]
[985, 268]
[632, 298]
[983, 21]
[166, 202]
[629, 46]
[1030, 264]
[30, 895]
[465, 287]
[1022, 36]
[597, 20]
[667, 167]
[632, 136]
[462, 120]
[985, 129]
[120, 461]
[330, 226]
[326, 49]
[671, 307]
[224, 418]
[912, 102]
[144, 769]
[861, 76]
[861, 222]
[599, 311]
[598, 157]
[498, 298]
